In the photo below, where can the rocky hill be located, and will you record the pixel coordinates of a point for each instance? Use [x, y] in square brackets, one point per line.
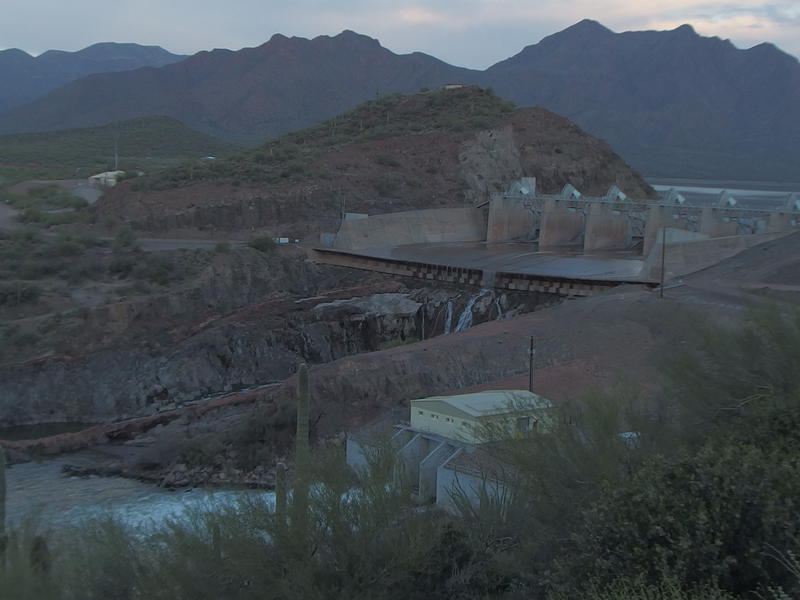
[672, 103]
[26, 78]
[431, 149]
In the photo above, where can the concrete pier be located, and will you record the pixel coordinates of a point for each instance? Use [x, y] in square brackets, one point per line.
[606, 229]
[510, 219]
[562, 224]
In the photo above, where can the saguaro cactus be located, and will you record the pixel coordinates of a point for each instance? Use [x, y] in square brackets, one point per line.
[280, 492]
[40, 555]
[301, 458]
[303, 402]
[2, 506]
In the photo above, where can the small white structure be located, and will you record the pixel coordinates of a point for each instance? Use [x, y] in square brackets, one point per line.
[107, 178]
[471, 417]
[454, 86]
[440, 447]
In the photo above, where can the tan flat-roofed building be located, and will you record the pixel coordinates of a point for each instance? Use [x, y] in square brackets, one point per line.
[471, 418]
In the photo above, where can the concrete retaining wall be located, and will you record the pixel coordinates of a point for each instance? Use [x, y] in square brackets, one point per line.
[686, 256]
[413, 227]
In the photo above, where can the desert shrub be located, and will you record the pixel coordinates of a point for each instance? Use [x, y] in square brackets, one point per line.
[60, 247]
[397, 342]
[200, 450]
[18, 292]
[222, 247]
[384, 187]
[121, 265]
[155, 268]
[125, 238]
[704, 518]
[387, 160]
[24, 235]
[81, 270]
[262, 243]
[38, 269]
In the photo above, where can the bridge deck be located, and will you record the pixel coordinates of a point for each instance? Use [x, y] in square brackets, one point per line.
[514, 266]
[520, 257]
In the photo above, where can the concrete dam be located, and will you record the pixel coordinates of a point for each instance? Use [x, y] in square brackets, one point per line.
[566, 244]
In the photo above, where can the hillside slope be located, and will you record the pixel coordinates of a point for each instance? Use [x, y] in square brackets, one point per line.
[140, 143]
[26, 78]
[431, 149]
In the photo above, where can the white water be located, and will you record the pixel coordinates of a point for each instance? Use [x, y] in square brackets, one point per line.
[465, 320]
[448, 319]
[41, 491]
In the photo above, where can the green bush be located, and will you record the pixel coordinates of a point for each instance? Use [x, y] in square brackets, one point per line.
[222, 247]
[708, 517]
[200, 450]
[384, 187]
[262, 243]
[18, 292]
[155, 268]
[387, 160]
[125, 238]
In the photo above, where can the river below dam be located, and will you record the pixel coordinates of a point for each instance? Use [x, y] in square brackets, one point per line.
[39, 490]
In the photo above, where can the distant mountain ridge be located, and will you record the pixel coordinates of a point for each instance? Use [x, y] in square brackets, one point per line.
[25, 78]
[667, 100]
[672, 103]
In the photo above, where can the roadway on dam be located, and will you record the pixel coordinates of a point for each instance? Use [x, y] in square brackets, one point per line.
[517, 257]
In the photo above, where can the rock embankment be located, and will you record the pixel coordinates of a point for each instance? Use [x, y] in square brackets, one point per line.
[254, 345]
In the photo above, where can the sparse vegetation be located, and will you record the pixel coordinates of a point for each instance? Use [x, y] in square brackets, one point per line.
[292, 156]
[262, 243]
[142, 143]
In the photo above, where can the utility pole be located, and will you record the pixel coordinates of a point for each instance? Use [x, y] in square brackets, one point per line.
[116, 148]
[531, 353]
[663, 260]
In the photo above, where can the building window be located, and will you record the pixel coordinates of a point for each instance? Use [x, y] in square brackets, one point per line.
[419, 412]
[465, 424]
[449, 420]
[523, 424]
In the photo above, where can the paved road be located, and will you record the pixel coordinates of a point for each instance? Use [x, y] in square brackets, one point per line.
[156, 244]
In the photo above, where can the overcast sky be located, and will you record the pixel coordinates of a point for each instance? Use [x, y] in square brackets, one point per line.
[469, 33]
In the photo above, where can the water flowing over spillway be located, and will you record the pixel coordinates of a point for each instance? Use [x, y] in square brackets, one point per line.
[465, 320]
[448, 319]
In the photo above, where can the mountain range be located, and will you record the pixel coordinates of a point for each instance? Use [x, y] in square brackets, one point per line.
[672, 103]
[26, 78]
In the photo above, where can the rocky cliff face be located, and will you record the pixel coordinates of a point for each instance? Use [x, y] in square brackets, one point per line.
[260, 343]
